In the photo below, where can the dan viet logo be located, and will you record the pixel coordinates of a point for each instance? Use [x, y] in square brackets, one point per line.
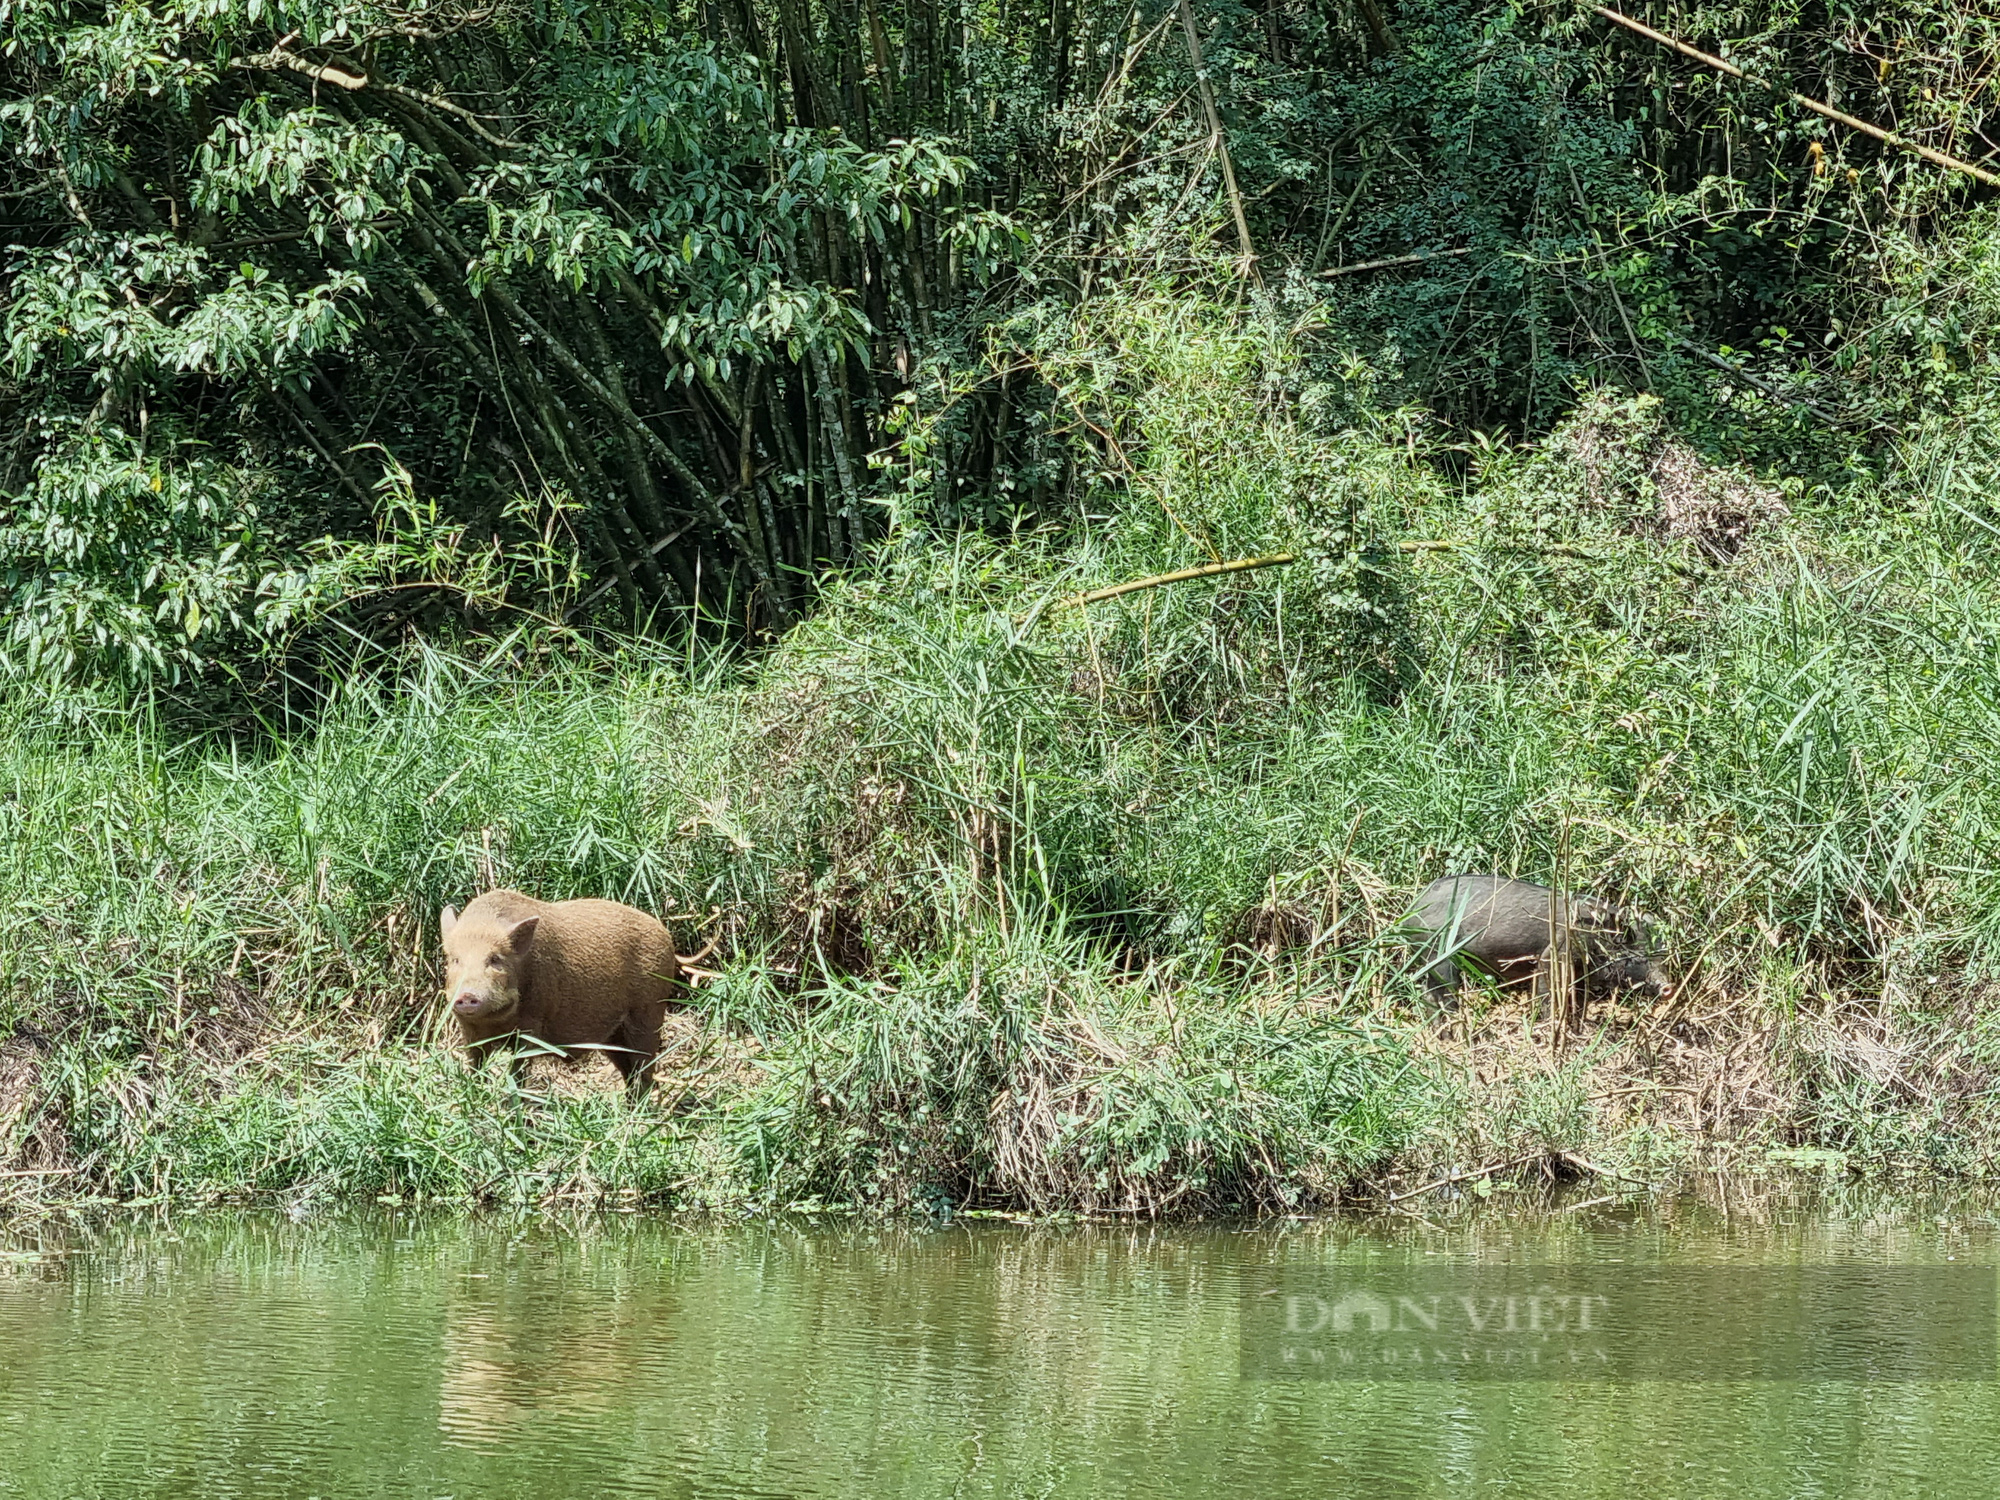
[1620, 1321]
[1365, 1327]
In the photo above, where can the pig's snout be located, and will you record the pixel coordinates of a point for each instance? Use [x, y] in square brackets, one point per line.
[479, 1003]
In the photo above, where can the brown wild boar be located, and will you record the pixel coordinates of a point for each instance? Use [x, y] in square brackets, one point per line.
[562, 972]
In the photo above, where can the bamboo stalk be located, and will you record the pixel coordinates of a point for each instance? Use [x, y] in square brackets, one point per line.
[620, 411]
[1279, 559]
[1248, 268]
[1763, 387]
[1887, 137]
[605, 587]
[1207, 570]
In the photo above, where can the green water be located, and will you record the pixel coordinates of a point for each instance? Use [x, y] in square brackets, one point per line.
[416, 1356]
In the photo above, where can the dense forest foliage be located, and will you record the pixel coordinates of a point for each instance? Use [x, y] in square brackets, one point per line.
[361, 317]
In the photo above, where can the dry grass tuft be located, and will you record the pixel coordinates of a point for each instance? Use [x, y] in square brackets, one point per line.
[1622, 461]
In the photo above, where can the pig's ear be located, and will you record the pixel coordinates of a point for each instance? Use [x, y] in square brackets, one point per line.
[447, 919]
[522, 933]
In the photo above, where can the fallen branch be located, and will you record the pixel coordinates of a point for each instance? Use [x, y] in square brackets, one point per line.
[1570, 1208]
[1247, 264]
[1762, 387]
[1206, 570]
[1471, 1176]
[1887, 137]
[1584, 1165]
[1394, 260]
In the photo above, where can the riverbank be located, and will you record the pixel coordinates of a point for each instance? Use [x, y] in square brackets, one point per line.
[1026, 904]
[1087, 917]
[1102, 1114]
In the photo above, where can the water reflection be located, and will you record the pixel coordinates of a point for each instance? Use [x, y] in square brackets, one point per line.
[517, 1360]
[398, 1355]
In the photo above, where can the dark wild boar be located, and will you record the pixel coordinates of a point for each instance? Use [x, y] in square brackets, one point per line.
[1507, 929]
[562, 972]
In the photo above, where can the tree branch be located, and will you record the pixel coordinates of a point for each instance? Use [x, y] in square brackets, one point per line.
[1386, 263]
[1887, 137]
[280, 60]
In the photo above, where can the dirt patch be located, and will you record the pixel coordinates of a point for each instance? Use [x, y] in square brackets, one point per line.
[583, 1076]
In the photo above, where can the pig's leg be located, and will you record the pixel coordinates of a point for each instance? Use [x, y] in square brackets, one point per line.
[1441, 981]
[481, 1050]
[516, 1051]
[639, 1035]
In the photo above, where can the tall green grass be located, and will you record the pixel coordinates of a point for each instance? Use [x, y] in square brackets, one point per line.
[1030, 904]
